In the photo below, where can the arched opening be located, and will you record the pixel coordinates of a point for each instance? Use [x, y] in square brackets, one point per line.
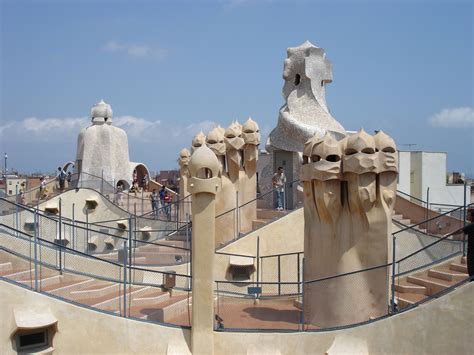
[122, 185]
[141, 170]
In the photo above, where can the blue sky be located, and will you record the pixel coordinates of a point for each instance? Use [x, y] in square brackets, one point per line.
[171, 68]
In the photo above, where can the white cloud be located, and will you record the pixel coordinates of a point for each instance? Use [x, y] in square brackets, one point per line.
[460, 117]
[139, 130]
[135, 50]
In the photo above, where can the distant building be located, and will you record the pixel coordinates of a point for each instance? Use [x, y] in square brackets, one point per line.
[168, 178]
[13, 183]
[423, 175]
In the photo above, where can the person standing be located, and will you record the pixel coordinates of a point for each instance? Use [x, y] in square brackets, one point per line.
[279, 181]
[154, 202]
[61, 178]
[162, 197]
[168, 200]
[145, 183]
[469, 230]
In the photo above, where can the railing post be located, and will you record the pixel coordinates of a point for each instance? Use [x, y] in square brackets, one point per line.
[279, 275]
[394, 243]
[16, 211]
[464, 219]
[298, 271]
[302, 297]
[237, 217]
[128, 200]
[284, 196]
[87, 231]
[177, 211]
[73, 231]
[125, 253]
[102, 182]
[258, 260]
[35, 221]
[60, 237]
[143, 211]
[428, 210]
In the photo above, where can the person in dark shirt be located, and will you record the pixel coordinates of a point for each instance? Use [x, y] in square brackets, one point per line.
[469, 231]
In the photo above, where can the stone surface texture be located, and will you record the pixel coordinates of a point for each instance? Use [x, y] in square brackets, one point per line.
[305, 113]
[349, 195]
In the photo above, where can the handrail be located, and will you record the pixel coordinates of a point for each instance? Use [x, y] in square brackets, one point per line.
[429, 245]
[73, 251]
[411, 196]
[347, 273]
[234, 254]
[283, 254]
[430, 219]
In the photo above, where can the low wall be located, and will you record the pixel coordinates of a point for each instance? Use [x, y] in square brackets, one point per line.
[441, 326]
[84, 331]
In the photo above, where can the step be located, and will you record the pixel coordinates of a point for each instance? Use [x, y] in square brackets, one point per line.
[458, 267]
[47, 281]
[18, 275]
[64, 282]
[6, 267]
[111, 304]
[432, 284]
[464, 260]
[65, 291]
[97, 290]
[407, 287]
[407, 299]
[258, 223]
[264, 213]
[446, 273]
[401, 219]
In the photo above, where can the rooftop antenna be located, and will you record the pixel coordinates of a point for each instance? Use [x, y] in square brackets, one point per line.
[409, 145]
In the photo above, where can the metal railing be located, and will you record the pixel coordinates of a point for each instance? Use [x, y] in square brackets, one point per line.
[92, 282]
[105, 240]
[276, 300]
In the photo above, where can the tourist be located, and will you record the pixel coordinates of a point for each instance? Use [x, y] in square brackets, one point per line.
[134, 177]
[469, 231]
[145, 182]
[279, 181]
[162, 196]
[68, 179]
[120, 194]
[61, 178]
[168, 200]
[42, 188]
[154, 202]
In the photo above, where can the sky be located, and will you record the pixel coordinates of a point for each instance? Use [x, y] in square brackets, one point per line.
[170, 69]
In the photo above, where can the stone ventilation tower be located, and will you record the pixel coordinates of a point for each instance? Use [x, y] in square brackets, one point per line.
[305, 113]
[102, 150]
[203, 183]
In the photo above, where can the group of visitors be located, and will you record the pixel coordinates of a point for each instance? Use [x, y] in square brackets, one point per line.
[165, 198]
[143, 183]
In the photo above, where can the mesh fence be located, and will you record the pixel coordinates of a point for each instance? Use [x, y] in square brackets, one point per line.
[245, 305]
[59, 271]
[281, 268]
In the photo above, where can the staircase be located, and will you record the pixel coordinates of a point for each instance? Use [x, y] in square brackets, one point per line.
[421, 285]
[143, 302]
[401, 219]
